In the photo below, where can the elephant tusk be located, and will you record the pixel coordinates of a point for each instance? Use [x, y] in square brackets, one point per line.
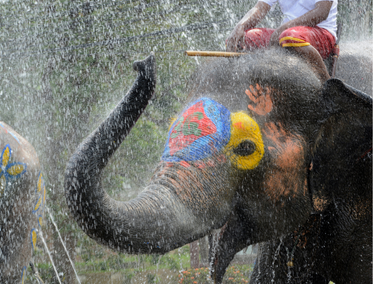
[213, 53]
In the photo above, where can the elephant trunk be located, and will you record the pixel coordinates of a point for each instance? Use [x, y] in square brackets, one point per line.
[167, 214]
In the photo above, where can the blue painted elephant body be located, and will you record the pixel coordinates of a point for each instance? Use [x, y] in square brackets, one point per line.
[22, 198]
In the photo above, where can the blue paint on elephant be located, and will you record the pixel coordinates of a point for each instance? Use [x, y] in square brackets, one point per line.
[9, 171]
[202, 130]
[24, 269]
[6, 131]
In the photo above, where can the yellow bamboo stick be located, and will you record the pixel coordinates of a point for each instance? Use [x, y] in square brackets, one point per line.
[213, 53]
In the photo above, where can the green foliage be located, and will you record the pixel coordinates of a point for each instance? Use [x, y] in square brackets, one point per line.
[170, 262]
[151, 278]
[148, 268]
[46, 272]
[94, 257]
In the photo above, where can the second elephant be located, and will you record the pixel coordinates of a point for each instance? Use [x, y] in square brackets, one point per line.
[22, 201]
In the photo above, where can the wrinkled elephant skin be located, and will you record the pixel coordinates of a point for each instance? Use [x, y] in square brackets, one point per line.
[22, 199]
[261, 148]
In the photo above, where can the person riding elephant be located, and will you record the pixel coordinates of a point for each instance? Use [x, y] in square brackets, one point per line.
[261, 146]
[309, 29]
[22, 200]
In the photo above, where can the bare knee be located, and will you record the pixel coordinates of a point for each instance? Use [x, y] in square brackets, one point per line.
[312, 56]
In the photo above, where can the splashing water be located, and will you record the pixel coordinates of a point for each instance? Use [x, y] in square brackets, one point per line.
[63, 243]
[93, 44]
[49, 253]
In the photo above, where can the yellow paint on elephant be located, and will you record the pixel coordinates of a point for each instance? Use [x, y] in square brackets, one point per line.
[40, 221]
[6, 156]
[23, 275]
[9, 170]
[37, 205]
[172, 120]
[34, 238]
[244, 128]
[40, 183]
[15, 170]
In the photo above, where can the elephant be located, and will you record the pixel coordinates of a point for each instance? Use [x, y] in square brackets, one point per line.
[260, 149]
[301, 248]
[22, 200]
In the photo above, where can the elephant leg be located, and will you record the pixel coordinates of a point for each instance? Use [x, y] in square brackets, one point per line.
[270, 269]
[231, 239]
[312, 56]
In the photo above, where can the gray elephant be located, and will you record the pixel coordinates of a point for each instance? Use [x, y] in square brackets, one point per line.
[296, 257]
[22, 200]
[261, 147]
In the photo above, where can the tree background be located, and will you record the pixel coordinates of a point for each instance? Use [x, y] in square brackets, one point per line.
[65, 64]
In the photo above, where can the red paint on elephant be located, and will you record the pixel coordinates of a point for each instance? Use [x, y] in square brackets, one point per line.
[200, 165]
[239, 125]
[261, 99]
[185, 164]
[192, 125]
[288, 149]
[288, 174]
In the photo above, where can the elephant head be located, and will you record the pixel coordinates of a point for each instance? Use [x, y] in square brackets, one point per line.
[246, 143]
[22, 200]
[339, 184]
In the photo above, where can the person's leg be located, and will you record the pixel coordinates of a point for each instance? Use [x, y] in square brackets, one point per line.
[311, 43]
[312, 56]
[257, 38]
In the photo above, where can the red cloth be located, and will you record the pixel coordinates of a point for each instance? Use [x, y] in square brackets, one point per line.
[319, 38]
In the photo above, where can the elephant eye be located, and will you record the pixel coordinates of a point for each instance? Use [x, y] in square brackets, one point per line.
[245, 148]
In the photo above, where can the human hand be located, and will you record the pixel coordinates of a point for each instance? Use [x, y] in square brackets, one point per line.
[236, 40]
[261, 102]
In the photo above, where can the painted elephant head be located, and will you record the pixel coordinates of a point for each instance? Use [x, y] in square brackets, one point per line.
[247, 141]
[312, 253]
[22, 199]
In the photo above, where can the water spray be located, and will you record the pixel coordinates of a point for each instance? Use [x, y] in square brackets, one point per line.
[63, 244]
[50, 256]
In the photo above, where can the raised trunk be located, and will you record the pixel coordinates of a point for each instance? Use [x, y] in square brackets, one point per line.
[163, 216]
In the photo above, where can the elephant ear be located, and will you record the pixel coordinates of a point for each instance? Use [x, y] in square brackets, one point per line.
[343, 145]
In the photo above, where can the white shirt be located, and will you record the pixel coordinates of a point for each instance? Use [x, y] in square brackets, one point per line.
[295, 8]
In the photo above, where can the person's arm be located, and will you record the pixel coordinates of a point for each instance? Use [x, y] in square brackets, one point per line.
[311, 19]
[250, 20]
